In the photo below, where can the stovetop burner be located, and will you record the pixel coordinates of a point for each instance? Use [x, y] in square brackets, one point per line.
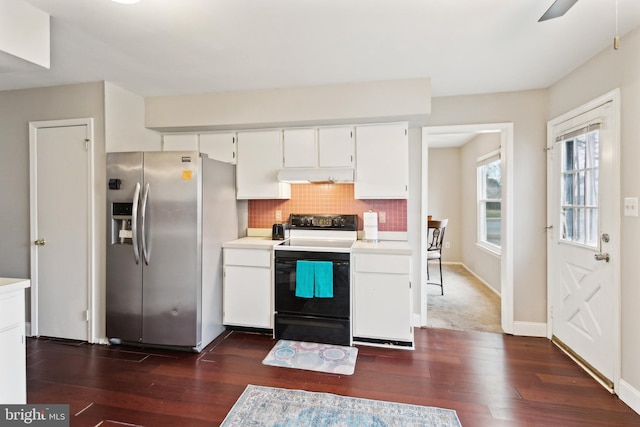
[321, 233]
[317, 243]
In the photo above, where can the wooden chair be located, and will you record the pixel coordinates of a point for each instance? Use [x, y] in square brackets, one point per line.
[434, 250]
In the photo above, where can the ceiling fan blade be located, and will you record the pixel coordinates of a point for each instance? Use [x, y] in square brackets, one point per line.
[558, 8]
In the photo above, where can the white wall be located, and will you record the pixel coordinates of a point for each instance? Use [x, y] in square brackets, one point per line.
[124, 122]
[394, 100]
[445, 195]
[606, 71]
[527, 110]
[17, 109]
[24, 36]
[482, 263]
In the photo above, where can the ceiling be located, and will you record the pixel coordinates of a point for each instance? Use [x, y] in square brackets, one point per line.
[172, 47]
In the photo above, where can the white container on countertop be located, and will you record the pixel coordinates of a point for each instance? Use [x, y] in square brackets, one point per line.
[370, 226]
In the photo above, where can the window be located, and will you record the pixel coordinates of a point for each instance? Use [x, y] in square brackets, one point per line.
[490, 201]
[580, 184]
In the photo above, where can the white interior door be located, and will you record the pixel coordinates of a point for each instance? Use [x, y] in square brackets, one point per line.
[584, 240]
[60, 233]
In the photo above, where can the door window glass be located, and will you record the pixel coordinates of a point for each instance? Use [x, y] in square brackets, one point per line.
[580, 187]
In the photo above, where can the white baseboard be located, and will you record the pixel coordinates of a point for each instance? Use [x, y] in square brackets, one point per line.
[629, 395]
[480, 279]
[416, 323]
[529, 329]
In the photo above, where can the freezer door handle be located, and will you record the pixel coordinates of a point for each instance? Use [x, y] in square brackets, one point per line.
[143, 216]
[134, 223]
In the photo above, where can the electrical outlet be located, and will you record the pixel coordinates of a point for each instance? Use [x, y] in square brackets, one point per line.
[630, 206]
[382, 217]
[278, 215]
[447, 245]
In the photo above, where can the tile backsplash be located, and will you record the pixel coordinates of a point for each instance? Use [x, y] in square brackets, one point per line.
[327, 199]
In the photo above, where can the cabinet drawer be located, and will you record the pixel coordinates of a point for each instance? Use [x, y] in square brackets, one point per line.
[380, 263]
[248, 257]
[11, 309]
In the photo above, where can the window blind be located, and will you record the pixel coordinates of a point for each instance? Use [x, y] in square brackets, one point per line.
[583, 130]
[490, 157]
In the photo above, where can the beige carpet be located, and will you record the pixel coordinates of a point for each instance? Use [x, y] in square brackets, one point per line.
[466, 305]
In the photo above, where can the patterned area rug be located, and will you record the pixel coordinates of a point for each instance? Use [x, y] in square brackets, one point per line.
[333, 359]
[266, 406]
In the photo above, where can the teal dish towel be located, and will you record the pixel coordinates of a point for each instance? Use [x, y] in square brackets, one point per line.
[304, 279]
[323, 274]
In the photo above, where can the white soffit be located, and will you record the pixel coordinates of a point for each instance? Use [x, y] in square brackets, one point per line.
[24, 37]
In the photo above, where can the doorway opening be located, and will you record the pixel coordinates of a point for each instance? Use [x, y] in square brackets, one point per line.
[502, 270]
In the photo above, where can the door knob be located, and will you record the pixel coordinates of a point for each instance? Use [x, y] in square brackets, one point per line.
[602, 256]
[40, 242]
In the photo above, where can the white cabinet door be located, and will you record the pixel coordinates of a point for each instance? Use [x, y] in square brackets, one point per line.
[335, 147]
[382, 308]
[219, 146]
[382, 162]
[180, 142]
[13, 387]
[300, 150]
[258, 163]
[382, 299]
[12, 366]
[247, 297]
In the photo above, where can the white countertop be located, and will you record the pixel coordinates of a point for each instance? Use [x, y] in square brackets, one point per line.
[8, 284]
[397, 247]
[391, 247]
[252, 243]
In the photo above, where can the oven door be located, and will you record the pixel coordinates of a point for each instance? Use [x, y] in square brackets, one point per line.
[286, 302]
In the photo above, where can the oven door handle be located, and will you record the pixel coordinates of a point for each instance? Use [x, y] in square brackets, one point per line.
[293, 262]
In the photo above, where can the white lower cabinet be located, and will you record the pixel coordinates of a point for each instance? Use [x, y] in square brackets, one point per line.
[382, 300]
[247, 294]
[13, 387]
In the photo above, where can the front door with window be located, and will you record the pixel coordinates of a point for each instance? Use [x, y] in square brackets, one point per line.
[584, 237]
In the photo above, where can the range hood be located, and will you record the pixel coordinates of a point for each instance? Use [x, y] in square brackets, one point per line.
[316, 175]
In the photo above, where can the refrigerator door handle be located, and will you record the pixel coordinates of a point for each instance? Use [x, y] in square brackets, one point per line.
[134, 223]
[145, 198]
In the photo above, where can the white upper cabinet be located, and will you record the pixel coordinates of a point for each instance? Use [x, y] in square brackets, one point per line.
[382, 162]
[336, 147]
[219, 146]
[330, 147]
[300, 148]
[180, 142]
[259, 160]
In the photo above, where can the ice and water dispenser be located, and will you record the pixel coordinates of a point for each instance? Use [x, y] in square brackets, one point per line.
[121, 231]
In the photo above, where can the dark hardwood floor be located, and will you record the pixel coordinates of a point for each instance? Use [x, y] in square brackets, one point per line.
[489, 379]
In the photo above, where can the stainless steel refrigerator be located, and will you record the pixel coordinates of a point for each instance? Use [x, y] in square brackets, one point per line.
[168, 215]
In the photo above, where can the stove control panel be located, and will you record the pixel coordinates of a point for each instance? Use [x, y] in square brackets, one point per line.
[324, 222]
